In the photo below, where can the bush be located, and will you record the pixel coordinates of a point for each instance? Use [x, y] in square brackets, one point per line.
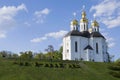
[56, 65]
[70, 66]
[15, 62]
[116, 68]
[61, 65]
[118, 63]
[51, 65]
[36, 64]
[21, 64]
[46, 65]
[40, 64]
[27, 64]
[115, 74]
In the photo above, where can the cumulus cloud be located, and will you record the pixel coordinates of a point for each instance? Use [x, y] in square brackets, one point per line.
[2, 35]
[110, 40]
[36, 40]
[27, 23]
[110, 45]
[41, 15]
[7, 14]
[54, 35]
[108, 11]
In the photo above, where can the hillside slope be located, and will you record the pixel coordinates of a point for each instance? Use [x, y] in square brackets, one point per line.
[88, 71]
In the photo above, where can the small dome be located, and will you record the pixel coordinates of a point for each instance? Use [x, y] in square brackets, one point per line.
[84, 20]
[95, 23]
[90, 30]
[83, 14]
[74, 22]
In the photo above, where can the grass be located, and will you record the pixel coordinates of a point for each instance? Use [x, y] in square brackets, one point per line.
[88, 71]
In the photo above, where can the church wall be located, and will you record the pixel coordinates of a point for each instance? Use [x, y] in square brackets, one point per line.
[75, 54]
[66, 48]
[84, 43]
[98, 57]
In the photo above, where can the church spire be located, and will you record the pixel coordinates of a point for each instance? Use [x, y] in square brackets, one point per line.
[74, 23]
[83, 21]
[95, 25]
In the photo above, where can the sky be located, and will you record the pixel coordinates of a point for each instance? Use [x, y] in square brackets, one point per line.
[33, 25]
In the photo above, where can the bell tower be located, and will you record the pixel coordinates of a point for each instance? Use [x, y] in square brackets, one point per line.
[74, 25]
[83, 22]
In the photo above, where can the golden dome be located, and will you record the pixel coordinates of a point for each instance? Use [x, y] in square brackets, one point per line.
[74, 22]
[84, 20]
[95, 23]
[84, 17]
[83, 14]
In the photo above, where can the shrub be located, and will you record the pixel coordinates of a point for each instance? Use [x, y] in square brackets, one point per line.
[27, 64]
[67, 65]
[116, 68]
[15, 62]
[51, 65]
[21, 64]
[118, 63]
[46, 65]
[115, 74]
[40, 64]
[77, 66]
[70, 66]
[36, 64]
[61, 65]
[56, 65]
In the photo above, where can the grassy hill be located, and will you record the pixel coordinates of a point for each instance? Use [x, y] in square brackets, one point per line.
[87, 71]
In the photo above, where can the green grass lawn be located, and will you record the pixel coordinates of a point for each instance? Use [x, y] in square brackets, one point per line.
[88, 71]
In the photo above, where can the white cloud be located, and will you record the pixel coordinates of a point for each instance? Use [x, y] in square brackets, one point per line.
[110, 45]
[2, 35]
[7, 14]
[27, 23]
[36, 40]
[41, 15]
[54, 35]
[109, 40]
[108, 11]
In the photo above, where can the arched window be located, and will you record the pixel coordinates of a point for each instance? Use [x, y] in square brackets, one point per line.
[96, 47]
[84, 26]
[73, 28]
[76, 46]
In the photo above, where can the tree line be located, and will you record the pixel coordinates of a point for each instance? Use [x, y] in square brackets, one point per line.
[50, 54]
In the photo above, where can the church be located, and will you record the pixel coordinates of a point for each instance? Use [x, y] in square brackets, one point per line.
[83, 43]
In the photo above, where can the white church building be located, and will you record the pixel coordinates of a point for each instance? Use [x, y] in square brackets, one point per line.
[81, 43]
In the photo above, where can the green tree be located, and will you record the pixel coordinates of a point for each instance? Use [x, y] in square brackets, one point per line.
[26, 55]
[40, 56]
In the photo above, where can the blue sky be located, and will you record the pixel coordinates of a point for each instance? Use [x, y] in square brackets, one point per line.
[33, 25]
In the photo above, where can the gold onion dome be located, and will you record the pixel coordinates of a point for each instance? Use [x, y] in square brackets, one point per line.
[84, 17]
[95, 23]
[84, 20]
[83, 14]
[74, 22]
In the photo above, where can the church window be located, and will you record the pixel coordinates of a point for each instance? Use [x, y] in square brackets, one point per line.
[74, 28]
[84, 26]
[67, 50]
[96, 47]
[76, 46]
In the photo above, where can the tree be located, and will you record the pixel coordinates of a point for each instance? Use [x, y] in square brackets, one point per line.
[26, 55]
[4, 54]
[50, 51]
[40, 56]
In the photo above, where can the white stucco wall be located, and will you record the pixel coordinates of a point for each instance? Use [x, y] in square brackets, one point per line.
[87, 55]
